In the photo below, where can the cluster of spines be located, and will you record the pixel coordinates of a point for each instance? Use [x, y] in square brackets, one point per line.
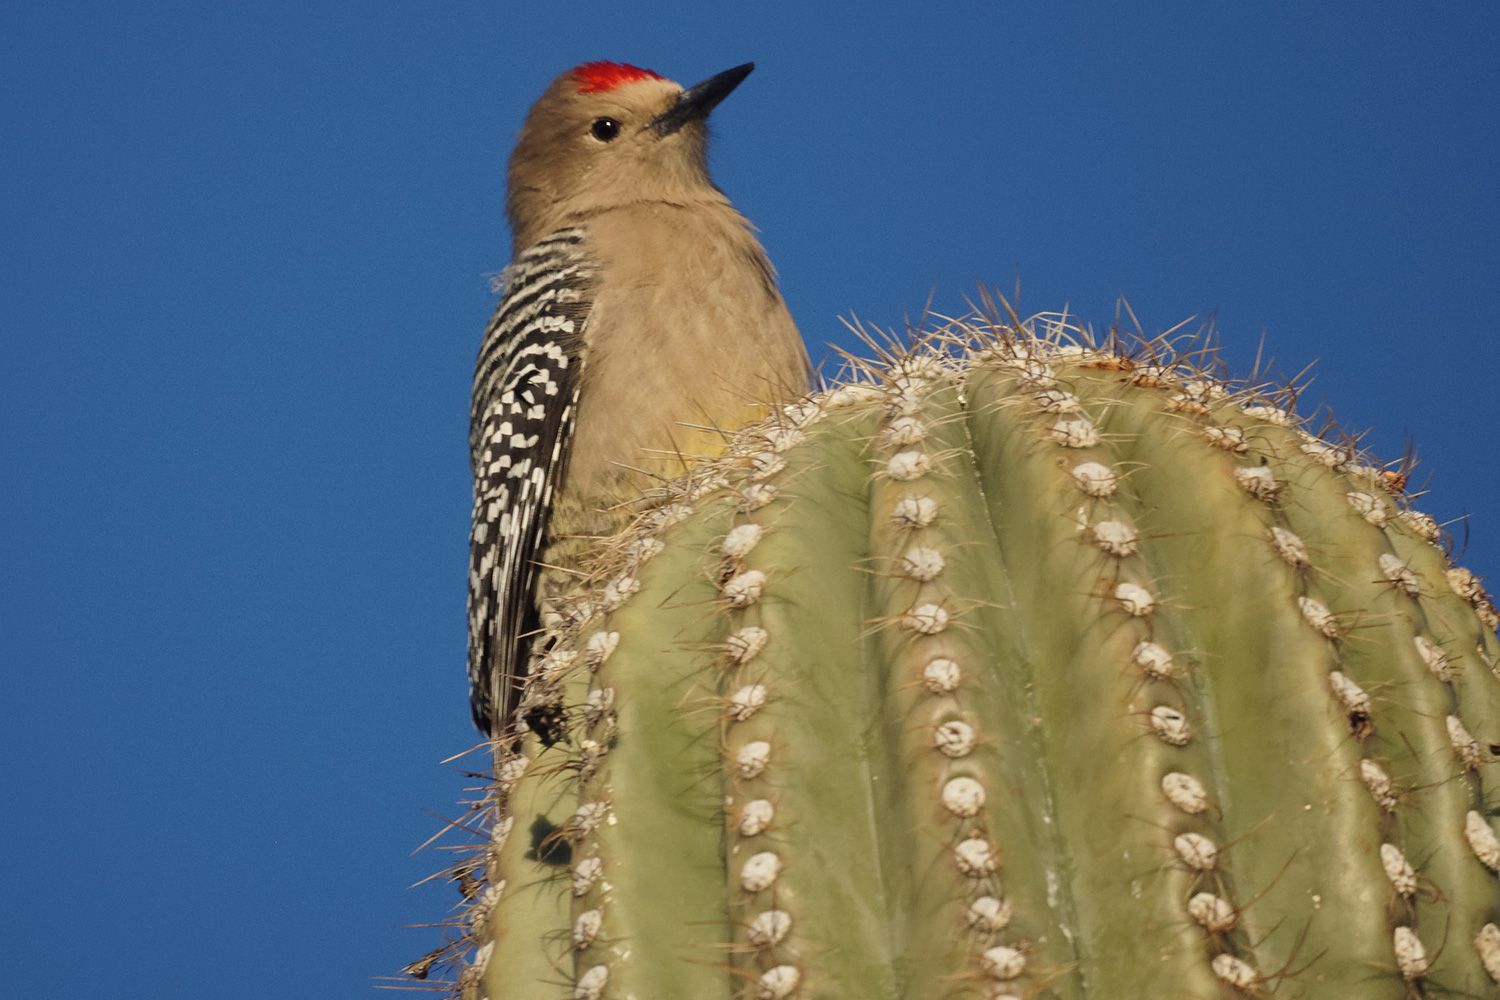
[922, 620]
[753, 465]
[1369, 491]
[1199, 399]
[1366, 488]
[1120, 581]
[763, 901]
[587, 645]
[1256, 473]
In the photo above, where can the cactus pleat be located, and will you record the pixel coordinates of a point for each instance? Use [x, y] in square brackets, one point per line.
[1013, 668]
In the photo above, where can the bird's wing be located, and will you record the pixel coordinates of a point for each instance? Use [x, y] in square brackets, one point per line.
[525, 400]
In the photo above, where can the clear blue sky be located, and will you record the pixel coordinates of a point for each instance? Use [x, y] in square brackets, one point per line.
[245, 250]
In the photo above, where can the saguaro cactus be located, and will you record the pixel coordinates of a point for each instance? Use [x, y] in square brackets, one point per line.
[1014, 668]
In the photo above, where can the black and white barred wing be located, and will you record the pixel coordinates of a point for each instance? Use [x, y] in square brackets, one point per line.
[520, 424]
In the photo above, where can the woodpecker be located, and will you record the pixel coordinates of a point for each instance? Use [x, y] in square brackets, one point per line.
[638, 309]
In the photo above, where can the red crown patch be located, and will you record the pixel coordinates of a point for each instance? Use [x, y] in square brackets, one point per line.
[598, 77]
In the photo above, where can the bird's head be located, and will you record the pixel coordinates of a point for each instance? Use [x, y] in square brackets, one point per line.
[609, 134]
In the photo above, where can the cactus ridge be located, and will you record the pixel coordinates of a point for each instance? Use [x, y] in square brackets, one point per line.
[1011, 666]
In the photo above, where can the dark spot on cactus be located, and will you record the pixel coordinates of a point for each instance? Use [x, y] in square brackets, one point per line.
[548, 843]
[1360, 725]
[548, 722]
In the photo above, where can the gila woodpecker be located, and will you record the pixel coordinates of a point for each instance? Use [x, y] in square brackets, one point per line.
[637, 311]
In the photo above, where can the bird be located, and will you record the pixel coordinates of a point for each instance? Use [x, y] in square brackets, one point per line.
[638, 313]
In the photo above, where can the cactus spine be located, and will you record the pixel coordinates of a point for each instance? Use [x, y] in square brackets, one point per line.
[1014, 668]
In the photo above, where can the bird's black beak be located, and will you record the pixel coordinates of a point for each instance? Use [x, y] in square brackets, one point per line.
[697, 101]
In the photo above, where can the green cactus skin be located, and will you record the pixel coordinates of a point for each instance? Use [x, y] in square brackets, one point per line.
[1012, 669]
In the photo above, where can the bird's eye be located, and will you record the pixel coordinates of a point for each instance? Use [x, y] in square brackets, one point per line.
[604, 129]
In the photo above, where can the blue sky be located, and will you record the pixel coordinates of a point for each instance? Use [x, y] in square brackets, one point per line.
[245, 251]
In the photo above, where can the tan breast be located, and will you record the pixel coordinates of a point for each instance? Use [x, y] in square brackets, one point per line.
[687, 333]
